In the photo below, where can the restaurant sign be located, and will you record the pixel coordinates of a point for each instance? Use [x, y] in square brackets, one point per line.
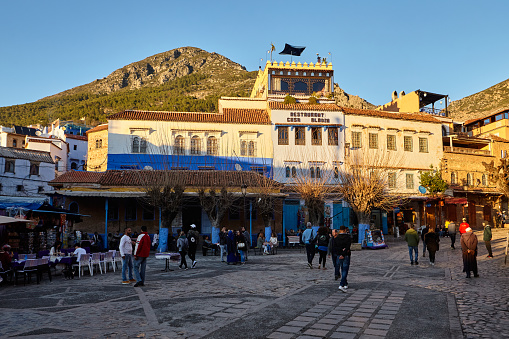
[304, 117]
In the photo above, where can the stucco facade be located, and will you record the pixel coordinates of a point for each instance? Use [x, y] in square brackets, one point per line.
[97, 154]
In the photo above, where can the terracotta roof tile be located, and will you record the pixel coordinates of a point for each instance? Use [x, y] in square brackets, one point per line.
[82, 177]
[98, 128]
[77, 137]
[391, 115]
[304, 107]
[22, 153]
[229, 116]
[494, 138]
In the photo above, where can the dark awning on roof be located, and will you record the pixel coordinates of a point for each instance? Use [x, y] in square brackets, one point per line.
[292, 50]
[427, 98]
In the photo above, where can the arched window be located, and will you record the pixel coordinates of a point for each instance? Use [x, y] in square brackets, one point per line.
[74, 166]
[300, 86]
[318, 86]
[251, 151]
[318, 173]
[336, 172]
[284, 86]
[98, 143]
[243, 147]
[212, 146]
[312, 172]
[178, 147]
[139, 145]
[73, 207]
[453, 178]
[195, 145]
[484, 180]
[470, 180]
[287, 171]
[294, 172]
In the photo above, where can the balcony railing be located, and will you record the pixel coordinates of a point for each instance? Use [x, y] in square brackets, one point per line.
[464, 150]
[434, 111]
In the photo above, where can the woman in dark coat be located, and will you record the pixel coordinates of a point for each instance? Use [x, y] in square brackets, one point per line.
[469, 248]
[231, 248]
[431, 239]
[322, 243]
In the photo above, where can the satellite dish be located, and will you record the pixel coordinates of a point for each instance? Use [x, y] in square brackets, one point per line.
[38, 133]
[422, 189]
[238, 167]
[148, 168]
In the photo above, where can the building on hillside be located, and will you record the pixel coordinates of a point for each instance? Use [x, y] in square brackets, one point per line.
[232, 139]
[115, 199]
[15, 136]
[494, 123]
[97, 151]
[25, 174]
[57, 148]
[470, 194]
[408, 142]
[418, 101]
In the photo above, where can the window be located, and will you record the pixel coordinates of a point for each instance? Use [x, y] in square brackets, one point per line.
[112, 211]
[40, 189]
[318, 173]
[20, 188]
[356, 140]
[75, 147]
[407, 140]
[287, 170]
[410, 181]
[453, 178]
[484, 180]
[98, 143]
[316, 136]
[74, 165]
[373, 140]
[195, 145]
[9, 166]
[391, 142]
[139, 145]
[148, 213]
[130, 210]
[391, 180]
[212, 146]
[178, 147]
[251, 149]
[300, 86]
[282, 135]
[14, 143]
[74, 207]
[294, 172]
[300, 136]
[336, 173]
[470, 179]
[423, 145]
[243, 147]
[34, 168]
[312, 172]
[333, 136]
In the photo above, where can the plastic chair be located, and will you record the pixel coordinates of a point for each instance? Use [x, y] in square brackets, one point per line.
[96, 260]
[44, 266]
[83, 262]
[117, 258]
[29, 268]
[108, 259]
[5, 272]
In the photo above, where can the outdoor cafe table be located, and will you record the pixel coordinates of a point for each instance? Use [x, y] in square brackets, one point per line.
[168, 256]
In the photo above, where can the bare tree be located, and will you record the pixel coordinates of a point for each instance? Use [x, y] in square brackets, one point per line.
[499, 175]
[216, 202]
[265, 197]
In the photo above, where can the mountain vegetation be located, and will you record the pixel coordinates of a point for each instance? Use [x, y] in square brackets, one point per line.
[183, 79]
[481, 104]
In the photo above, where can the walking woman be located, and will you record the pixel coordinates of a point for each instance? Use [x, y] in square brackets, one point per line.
[469, 248]
[231, 247]
[182, 245]
[322, 241]
[241, 246]
[431, 239]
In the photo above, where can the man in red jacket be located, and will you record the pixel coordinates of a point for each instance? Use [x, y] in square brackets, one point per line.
[463, 226]
[141, 253]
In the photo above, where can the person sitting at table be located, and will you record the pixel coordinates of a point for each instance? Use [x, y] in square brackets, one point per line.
[6, 257]
[208, 244]
[57, 247]
[79, 251]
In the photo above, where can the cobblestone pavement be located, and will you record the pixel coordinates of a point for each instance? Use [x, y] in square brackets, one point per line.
[274, 297]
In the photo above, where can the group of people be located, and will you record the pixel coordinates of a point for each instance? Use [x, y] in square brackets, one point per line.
[431, 241]
[235, 244]
[335, 244]
[134, 260]
[187, 244]
[267, 246]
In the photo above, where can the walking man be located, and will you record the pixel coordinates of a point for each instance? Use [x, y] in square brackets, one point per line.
[307, 239]
[342, 245]
[412, 239]
[192, 238]
[487, 239]
[141, 253]
[452, 233]
[222, 242]
[126, 252]
[469, 248]
[424, 231]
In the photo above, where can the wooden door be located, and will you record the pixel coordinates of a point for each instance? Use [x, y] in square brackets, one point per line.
[471, 214]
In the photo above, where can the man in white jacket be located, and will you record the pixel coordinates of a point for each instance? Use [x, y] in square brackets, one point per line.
[126, 252]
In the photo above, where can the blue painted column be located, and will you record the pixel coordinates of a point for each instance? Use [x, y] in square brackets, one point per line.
[106, 222]
[284, 225]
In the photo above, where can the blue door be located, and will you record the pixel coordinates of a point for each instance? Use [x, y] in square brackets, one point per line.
[291, 209]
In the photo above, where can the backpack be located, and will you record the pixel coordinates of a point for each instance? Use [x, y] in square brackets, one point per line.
[322, 240]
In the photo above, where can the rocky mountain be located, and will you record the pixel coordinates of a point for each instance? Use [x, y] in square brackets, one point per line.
[349, 100]
[478, 105]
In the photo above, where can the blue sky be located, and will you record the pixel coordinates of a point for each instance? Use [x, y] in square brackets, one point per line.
[448, 47]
